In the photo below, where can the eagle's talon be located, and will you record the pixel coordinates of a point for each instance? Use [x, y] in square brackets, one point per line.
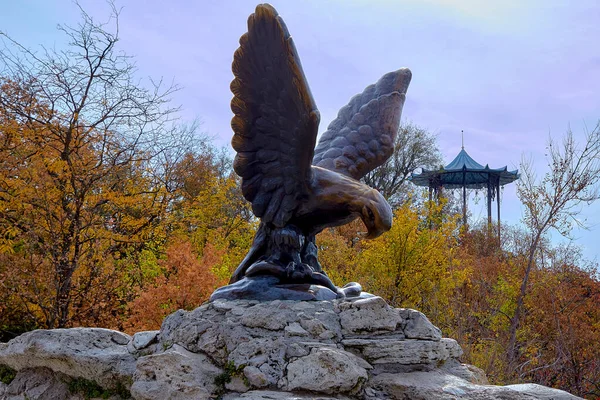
[265, 268]
[299, 272]
[288, 237]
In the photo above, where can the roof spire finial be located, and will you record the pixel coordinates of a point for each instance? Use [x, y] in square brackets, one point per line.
[462, 135]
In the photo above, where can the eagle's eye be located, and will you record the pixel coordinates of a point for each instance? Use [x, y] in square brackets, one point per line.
[371, 215]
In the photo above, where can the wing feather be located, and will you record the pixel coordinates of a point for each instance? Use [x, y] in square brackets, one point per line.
[361, 138]
[275, 118]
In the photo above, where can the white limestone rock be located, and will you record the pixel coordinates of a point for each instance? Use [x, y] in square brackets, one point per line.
[343, 349]
[301, 349]
[418, 326]
[328, 371]
[141, 340]
[255, 377]
[96, 354]
[404, 352]
[196, 331]
[438, 385]
[452, 347]
[274, 316]
[237, 384]
[542, 392]
[38, 384]
[174, 374]
[295, 329]
[266, 354]
[322, 322]
[470, 373]
[371, 315]
[273, 395]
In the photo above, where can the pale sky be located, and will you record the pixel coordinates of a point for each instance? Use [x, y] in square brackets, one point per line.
[509, 73]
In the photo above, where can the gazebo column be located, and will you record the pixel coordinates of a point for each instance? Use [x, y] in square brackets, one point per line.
[498, 201]
[489, 201]
[464, 197]
[464, 205]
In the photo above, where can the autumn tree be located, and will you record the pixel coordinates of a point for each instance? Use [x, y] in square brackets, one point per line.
[210, 230]
[409, 266]
[209, 208]
[553, 202]
[414, 147]
[564, 319]
[78, 138]
[560, 326]
[482, 305]
[184, 283]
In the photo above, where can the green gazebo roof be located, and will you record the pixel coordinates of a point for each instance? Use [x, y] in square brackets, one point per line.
[464, 171]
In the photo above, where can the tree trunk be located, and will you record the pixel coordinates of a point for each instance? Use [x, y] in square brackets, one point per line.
[63, 294]
[513, 351]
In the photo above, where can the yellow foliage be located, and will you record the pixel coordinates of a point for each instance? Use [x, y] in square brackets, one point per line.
[337, 255]
[219, 216]
[411, 265]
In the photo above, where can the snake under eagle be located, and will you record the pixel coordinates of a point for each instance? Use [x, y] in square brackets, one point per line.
[297, 190]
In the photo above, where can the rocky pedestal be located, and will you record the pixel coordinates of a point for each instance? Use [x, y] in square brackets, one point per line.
[361, 349]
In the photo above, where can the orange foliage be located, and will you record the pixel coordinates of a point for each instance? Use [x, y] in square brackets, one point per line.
[560, 331]
[564, 322]
[186, 283]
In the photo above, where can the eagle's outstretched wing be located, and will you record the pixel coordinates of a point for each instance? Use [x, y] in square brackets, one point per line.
[276, 120]
[361, 138]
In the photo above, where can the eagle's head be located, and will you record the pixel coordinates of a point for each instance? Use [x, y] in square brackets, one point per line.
[332, 192]
[375, 213]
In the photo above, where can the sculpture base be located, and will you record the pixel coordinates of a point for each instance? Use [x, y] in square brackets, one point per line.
[268, 288]
[252, 350]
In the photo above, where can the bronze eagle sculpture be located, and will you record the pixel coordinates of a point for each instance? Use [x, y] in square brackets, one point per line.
[298, 190]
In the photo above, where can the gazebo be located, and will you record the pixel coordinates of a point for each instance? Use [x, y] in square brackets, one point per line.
[466, 173]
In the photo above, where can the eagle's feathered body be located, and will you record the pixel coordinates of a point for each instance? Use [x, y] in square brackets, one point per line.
[295, 189]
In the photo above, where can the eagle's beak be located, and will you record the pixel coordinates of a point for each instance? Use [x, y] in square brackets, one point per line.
[377, 218]
[374, 232]
[373, 224]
